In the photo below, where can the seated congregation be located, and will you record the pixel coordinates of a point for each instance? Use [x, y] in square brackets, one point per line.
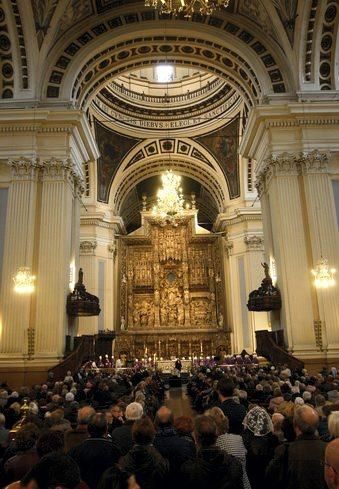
[248, 428]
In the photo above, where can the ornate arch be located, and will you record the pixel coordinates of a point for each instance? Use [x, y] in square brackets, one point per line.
[150, 158]
[218, 44]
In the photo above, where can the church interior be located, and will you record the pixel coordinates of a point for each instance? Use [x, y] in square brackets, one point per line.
[169, 181]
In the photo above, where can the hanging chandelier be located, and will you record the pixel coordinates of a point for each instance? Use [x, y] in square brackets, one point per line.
[170, 201]
[323, 274]
[187, 7]
[24, 281]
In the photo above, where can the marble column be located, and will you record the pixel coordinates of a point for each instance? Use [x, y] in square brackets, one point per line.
[281, 181]
[54, 257]
[324, 240]
[18, 252]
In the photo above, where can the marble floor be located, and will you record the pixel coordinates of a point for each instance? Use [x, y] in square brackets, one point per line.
[178, 401]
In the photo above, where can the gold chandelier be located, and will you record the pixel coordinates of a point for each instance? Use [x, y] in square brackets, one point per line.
[170, 201]
[24, 281]
[187, 7]
[323, 274]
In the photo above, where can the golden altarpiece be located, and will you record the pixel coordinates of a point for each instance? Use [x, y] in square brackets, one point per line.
[171, 290]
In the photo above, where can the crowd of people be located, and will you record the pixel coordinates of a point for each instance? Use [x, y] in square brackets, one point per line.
[253, 427]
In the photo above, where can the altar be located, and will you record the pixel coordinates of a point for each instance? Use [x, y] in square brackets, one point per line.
[167, 366]
[171, 294]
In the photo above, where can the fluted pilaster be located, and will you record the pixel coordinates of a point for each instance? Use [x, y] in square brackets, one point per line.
[18, 252]
[323, 240]
[54, 256]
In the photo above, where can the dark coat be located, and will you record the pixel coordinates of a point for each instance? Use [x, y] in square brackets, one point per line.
[94, 456]
[17, 466]
[175, 448]
[213, 468]
[148, 466]
[298, 465]
[260, 451]
[235, 413]
[122, 437]
[75, 437]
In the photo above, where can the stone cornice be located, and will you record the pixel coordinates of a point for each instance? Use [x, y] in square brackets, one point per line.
[51, 120]
[240, 215]
[294, 114]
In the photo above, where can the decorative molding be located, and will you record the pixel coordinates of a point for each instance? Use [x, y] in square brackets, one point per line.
[113, 249]
[228, 248]
[324, 121]
[290, 164]
[54, 168]
[24, 168]
[254, 242]
[47, 169]
[37, 128]
[97, 222]
[88, 247]
[314, 162]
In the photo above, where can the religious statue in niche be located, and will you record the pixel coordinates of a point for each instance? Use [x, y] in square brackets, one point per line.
[143, 315]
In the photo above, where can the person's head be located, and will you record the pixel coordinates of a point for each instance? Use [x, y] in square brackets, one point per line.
[184, 425]
[307, 396]
[164, 417]
[258, 421]
[116, 411]
[52, 441]
[121, 479]
[85, 414]
[134, 411]
[220, 419]
[97, 426]
[205, 431]
[2, 420]
[27, 437]
[225, 388]
[331, 465]
[320, 400]
[277, 420]
[56, 417]
[143, 431]
[333, 424]
[69, 397]
[305, 420]
[52, 471]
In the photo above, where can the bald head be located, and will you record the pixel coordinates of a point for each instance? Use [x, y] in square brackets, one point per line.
[164, 417]
[332, 464]
[306, 420]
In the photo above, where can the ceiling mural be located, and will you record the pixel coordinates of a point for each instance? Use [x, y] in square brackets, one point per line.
[43, 11]
[223, 144]
[287, 11]
[113, 148]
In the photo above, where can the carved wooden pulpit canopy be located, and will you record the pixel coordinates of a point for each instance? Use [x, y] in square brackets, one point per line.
[80, 302]
[267, 297]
